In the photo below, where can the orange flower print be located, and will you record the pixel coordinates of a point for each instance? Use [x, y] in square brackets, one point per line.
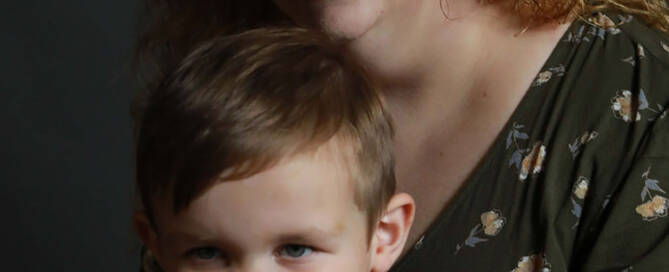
[526, 264]
[532, 263]
[623, 107]
[528, 161]
[545, 76]
[492, 222]
[533, 162]
[654, 208]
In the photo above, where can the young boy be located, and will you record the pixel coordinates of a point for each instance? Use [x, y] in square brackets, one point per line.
[268, 151]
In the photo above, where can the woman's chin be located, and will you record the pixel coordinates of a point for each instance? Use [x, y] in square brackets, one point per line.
[342, 19]
[350, 22]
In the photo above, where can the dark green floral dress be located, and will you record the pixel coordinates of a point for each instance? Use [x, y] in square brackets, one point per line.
[578, 179]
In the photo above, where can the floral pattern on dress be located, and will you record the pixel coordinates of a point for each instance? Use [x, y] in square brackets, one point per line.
[654, 208]
[577, 144]
[581, 187]
[606, 25]
[546, 75]
[577, 37]
[491, 224]
[654, 205]
[533, 162]
[528, 161]
[665, 47]
[625, 107]
[640, 52]
[600, 25]
[579, 192]
[533, 263]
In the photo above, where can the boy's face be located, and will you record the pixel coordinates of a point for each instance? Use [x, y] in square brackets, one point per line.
[297, 216]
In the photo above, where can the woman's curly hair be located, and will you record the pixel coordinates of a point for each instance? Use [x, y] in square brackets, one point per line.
[169, 29]
[653, 12]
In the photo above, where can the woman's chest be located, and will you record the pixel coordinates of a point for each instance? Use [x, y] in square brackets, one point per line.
[433, 168]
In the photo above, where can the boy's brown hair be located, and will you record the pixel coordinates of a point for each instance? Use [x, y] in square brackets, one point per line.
[238, 104]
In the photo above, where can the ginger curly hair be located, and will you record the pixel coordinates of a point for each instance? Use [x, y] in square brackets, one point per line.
[654, 12]
[169, 29]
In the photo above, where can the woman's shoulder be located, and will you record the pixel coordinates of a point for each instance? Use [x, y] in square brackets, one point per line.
[619, 27]
[654, 43]
[612, 38]
[613, 102]
[607, 65]
[601, 101]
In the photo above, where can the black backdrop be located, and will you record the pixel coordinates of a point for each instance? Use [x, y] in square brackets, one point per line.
[65, 136]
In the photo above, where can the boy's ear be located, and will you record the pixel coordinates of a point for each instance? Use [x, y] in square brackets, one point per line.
[145, 230]
[392, 231]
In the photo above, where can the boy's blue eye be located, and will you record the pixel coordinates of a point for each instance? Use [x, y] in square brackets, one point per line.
[205, 253]
[296, 251]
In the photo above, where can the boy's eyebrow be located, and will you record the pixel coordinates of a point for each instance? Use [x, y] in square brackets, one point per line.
[182, 239]
[306, 235]
[181, 236]
[310, 235]
[192, 235]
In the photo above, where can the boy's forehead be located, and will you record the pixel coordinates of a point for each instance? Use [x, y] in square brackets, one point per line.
[308, 193]
[336, 155]
[325, 169]
[332, 163]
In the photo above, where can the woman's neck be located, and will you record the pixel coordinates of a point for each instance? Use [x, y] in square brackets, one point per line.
[426, 54]
[451, 85]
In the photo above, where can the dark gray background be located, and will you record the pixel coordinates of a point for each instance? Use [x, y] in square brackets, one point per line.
[65, 135]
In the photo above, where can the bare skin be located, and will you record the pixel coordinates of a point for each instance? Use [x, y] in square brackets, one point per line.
[451, 83]
[299, 215]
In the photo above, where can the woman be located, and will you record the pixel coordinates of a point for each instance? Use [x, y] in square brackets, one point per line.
[533, 134]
